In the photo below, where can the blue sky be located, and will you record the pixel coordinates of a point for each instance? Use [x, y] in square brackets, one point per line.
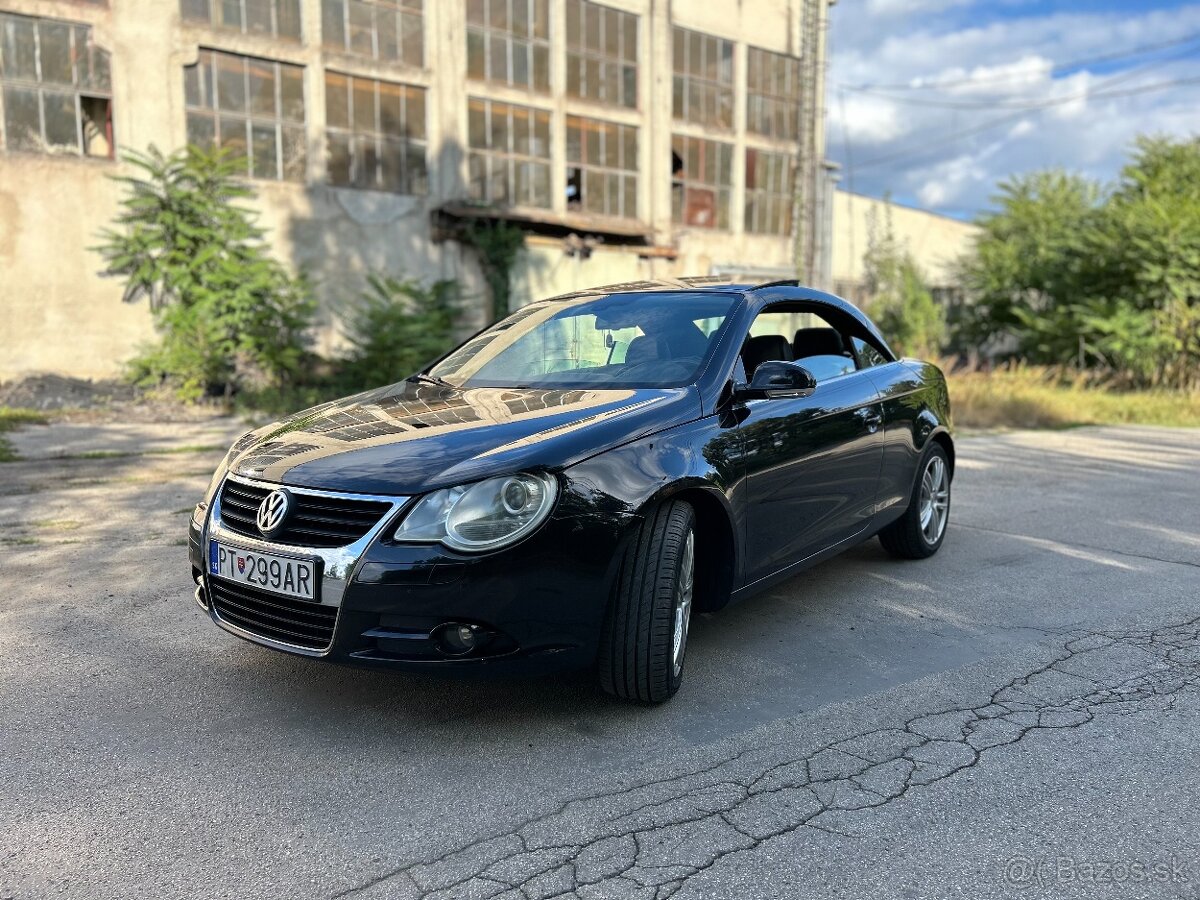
[934, 101]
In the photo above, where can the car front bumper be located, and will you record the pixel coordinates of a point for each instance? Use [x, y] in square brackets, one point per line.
[537, 606]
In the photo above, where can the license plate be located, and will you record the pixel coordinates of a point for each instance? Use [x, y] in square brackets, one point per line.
[266, 571]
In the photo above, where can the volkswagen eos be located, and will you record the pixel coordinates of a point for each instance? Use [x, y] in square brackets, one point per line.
[571, 485]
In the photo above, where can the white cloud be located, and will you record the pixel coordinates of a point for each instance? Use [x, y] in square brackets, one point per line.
[909, 7]
[1022, 128]
[864, 120]
[997, 71]
[1005, 77]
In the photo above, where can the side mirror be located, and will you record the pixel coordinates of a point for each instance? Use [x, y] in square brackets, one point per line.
[775, 379]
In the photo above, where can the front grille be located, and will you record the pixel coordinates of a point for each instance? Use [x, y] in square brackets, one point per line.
[314, 520]
[272, 616]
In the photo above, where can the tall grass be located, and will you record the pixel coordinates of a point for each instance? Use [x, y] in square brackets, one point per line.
[1021, 396]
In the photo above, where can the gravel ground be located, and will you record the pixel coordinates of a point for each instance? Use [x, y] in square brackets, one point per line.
[1019, 716]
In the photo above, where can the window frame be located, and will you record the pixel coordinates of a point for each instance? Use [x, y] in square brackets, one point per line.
[688, 79]
[686, 184]
[753, 196]
[402, 10]
[297, 128]
[95, 86]
[215, 18]
[482, 25]
[583, 58]
[787, 100]
[511, 156]
[626, 171]
[378, 136]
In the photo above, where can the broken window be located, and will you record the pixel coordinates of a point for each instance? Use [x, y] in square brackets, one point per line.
[602, 46]
[602, 166]
[276, 18]
[508, 42]
[701, 186]
[376, 134]
[509, 157]
[702, 89]
[55, 88]
[768, 192]
[252, 106]
[386, 30]
[772, 94]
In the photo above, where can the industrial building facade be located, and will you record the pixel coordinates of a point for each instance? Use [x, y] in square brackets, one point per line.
[630, 139]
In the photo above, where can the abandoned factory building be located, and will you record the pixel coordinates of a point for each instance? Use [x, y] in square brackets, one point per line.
[629, 139]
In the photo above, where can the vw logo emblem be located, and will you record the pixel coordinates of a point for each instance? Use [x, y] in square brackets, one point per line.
[272, 511]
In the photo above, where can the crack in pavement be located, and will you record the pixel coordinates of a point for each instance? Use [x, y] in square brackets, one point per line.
[648, 840]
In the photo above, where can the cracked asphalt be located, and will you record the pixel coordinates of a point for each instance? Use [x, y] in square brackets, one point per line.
[1017, 717]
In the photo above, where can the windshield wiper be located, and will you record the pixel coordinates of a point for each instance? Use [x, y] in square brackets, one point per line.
[422, 378]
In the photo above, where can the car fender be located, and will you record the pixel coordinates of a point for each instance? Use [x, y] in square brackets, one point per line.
[697, 461]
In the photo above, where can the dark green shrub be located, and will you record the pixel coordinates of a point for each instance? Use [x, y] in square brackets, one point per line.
[227, 314]
[396, 327]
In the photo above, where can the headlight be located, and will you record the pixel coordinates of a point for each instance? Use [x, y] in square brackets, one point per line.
[483, 516]
[201, 509]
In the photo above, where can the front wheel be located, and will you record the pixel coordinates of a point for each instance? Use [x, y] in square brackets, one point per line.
[920, 531]
[644, 641]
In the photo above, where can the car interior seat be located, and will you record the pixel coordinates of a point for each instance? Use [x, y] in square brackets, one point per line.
[757, 350]
[817, 342]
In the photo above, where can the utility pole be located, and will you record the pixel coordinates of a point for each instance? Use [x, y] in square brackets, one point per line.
[809, 187]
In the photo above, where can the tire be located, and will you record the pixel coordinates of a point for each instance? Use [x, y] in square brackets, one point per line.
[912, 536]
[644, 639]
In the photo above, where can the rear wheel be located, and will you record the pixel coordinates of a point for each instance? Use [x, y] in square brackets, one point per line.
[644, 641]
[920, 531]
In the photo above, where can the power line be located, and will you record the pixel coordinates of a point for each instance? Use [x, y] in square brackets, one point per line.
[939, 141]
[1015, 76]
[1013, 103]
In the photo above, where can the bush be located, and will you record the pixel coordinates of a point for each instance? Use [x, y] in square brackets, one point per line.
[1067, 271]
[228, 315]
[900, 302]
[396, 327]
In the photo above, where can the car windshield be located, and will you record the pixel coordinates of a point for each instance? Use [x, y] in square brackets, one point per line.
[636, 340]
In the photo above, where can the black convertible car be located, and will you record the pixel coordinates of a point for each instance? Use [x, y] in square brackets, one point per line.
[569, 486]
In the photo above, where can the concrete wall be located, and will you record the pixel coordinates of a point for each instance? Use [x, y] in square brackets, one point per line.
[57, 314]
[934, 241]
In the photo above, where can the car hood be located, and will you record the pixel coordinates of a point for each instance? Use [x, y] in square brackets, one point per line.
[414, 437]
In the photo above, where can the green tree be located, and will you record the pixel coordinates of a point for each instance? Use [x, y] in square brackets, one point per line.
[396, 327]
[1027, 256]
[1067, 272]
[900, 300]
[225, 311]
[1144, 317]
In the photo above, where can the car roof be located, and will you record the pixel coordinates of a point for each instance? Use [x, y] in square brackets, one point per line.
[691, 284]
[766, 292]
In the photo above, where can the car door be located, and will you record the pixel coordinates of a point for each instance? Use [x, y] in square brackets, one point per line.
[812, 466]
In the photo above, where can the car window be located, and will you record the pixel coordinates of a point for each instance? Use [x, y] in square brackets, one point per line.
[827, 366]
[799, 336]
[613, 340]
[867, 355]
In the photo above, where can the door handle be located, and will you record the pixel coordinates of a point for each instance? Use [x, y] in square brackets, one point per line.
[872, 418]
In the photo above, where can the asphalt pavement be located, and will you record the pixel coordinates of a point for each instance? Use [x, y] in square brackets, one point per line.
[1017, 717]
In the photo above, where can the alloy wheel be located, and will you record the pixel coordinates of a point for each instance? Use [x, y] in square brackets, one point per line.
[684, 589]
[935, 499]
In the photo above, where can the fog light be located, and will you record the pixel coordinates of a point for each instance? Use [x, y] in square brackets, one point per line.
[457, 639]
